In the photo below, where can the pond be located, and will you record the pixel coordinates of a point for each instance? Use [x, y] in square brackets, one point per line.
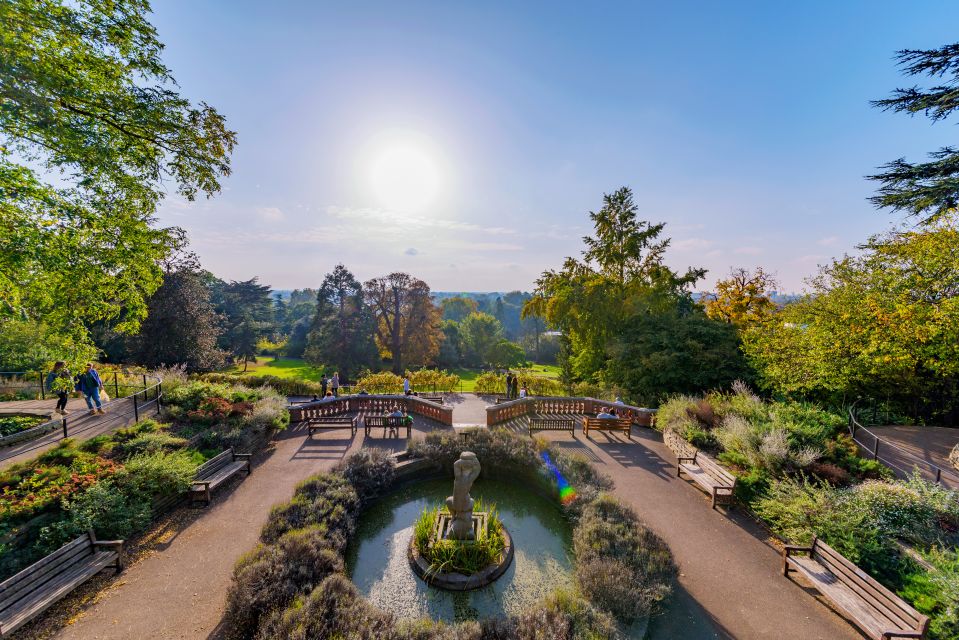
[377, 561]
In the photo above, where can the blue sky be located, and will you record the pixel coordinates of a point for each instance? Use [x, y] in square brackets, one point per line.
[745, 126]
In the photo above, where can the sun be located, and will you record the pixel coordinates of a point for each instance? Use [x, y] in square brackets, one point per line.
[404, 176]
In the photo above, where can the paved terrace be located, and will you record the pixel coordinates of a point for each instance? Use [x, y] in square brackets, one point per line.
[730, 581]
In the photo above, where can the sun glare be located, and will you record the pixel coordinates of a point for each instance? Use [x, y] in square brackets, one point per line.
[404, 176]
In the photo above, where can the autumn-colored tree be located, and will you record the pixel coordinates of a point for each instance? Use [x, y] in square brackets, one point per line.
[742, 297]
[457, 308]
[407, 323]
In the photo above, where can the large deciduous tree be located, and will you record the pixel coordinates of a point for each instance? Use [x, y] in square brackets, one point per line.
[457, 308]
[407, 322]
[181, 326]
[480, 333]
[342, 332]
[92, 132]
[247, 310]
[929, 190]
[884, 323]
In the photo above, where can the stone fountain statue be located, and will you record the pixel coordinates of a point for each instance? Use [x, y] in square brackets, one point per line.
[460, 504]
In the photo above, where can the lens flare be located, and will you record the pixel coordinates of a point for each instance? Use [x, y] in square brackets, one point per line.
[566, 492]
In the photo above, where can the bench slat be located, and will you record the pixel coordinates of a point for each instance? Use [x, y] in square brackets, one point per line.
[846, 598]
[39, 601]
[891, 605]
[224, 474]
[44, 570]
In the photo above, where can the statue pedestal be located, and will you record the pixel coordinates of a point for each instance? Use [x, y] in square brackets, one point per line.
[444, 520]
[451, 580]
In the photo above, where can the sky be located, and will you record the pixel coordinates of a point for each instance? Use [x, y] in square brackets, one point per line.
[466, 143]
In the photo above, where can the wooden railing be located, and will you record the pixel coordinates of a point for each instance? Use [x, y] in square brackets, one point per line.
[378, 404]
[500, 413]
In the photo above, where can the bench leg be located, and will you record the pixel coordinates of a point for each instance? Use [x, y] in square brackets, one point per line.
[679, 471]
[785, 564]
[209, 499]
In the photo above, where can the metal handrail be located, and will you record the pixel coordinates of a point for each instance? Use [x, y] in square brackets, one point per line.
[138, 408]
[877, 444]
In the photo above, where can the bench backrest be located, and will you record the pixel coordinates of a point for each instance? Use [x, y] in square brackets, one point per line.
[609, 423]
[214, 464]
[885, 602]
[386, 421]
[34, 577]
[715, 471]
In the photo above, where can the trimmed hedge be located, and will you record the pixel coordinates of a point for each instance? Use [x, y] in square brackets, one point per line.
[292, 585]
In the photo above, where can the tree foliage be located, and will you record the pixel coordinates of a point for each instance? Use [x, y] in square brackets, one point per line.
[406, 322]
[925, 190]
[458, 307]
[181, 326]
[742, 297]
[622, 275]
[342, 331]
[883, 323]
[91, 130]
[480, 332]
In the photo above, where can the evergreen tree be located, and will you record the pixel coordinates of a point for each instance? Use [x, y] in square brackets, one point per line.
[925, 190]
[341, 336]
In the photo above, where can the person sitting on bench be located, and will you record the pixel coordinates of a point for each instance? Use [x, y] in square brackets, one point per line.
[607, 414]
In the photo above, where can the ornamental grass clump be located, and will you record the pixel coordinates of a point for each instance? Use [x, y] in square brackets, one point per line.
[469, 557]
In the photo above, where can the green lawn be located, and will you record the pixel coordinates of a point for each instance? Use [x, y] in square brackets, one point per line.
[298, 369]
[294, 368]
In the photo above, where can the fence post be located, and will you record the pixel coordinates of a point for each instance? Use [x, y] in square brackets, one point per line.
[144, 385]
[875, 449]
[64, 426]
[159, 388]
[116, 385]
[938, 475]
[43, 395]
[136, 411]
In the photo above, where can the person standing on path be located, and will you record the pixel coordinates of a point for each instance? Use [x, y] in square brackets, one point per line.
[335, 383]
[59, 373]
[515, 393]
[323, 385]
[89, 384]
[406, 385]
[509, 385]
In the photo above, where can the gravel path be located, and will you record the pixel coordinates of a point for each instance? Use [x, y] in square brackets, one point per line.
[730, 583]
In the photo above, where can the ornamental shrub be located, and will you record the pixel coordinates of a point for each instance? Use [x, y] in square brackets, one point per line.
[271, 576]
[370, 471]
[111, 512]
[381, 382]
[328, 500]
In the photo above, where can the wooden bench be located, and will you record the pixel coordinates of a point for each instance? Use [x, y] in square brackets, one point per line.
[608, 424]
[436, 399]
[217, 470]
[876, 610]
[331, 422]
[32, 591]
[707, 473]
[389, 423]
[543, 423]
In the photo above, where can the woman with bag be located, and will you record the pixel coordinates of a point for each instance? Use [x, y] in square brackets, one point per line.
[89, 384]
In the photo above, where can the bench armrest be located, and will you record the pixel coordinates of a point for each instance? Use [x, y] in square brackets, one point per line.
[790, 549]
[686, 458]
[203, 483]
[116, 544]
[904, 634]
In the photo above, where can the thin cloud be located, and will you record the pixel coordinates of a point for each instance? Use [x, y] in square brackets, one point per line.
[691, 244]
[412, 251]
[404, 220]
[828, 241]
[270, 214]
[748, 251]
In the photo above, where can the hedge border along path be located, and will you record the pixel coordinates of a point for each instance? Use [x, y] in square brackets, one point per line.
[292, 584]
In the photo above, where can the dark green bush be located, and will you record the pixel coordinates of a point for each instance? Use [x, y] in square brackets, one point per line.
[152, 475]
[147, 443]
[271, 576]
[109, 511]
[328, 500]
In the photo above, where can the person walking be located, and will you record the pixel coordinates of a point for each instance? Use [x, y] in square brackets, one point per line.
[406, 385]
[89, 384]
[60, 372]
[335, 384]
[323, 385]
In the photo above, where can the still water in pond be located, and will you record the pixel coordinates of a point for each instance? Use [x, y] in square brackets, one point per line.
[541, 538]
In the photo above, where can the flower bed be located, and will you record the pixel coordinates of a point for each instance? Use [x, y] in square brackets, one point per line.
[10, 425]
[114, 483]
[293, 584]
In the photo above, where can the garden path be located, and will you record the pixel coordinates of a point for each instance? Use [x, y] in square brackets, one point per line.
[730, 581]
[468, 409]
[80, 426]
[931, 444]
